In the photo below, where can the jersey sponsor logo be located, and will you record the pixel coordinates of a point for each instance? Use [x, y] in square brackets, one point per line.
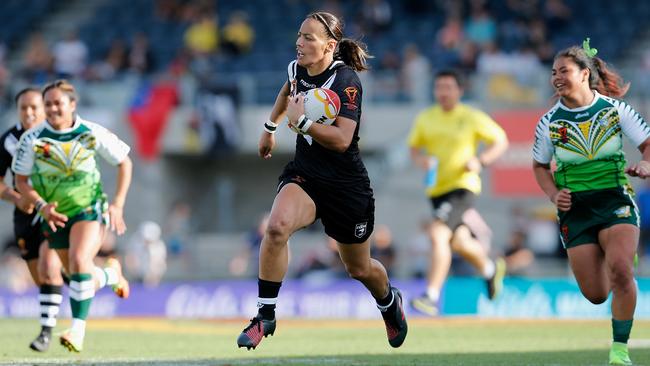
[580, 115]
[360, 229]
[623, 211]
[351, 92]
[308, 85]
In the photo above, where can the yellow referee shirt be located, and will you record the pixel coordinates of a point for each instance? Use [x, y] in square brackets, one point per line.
[453, 138]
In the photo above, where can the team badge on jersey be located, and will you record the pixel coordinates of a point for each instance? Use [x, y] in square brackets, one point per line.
[360, 229]
[351, 93]
[623, 211]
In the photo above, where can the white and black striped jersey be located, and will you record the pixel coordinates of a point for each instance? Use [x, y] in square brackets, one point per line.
[313, 159]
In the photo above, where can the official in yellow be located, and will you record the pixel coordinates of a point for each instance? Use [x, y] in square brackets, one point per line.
[444, 141]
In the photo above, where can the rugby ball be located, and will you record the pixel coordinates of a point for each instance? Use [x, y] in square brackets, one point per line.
[322, 105]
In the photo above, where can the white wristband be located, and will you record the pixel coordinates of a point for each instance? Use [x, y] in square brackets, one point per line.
[270, 126]
[304, 123]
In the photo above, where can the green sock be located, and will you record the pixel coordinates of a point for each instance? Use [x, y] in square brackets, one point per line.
[621, 330]
[82, 291]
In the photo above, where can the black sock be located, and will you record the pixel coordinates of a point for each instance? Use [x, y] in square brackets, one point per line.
[387, 301]
[46, 330]
[267, 296]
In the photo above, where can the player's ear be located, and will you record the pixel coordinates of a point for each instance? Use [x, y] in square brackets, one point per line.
[331, 46]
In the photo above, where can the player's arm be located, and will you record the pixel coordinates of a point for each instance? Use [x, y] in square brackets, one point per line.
[419, 158]
[116, 208]
[642, 168]
[337, 136]
[7, 193]
[493, 151]
[267, 140]
[46, 209]
[560, 197]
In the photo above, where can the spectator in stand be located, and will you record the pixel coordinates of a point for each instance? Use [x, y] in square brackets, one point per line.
[146, 257]
[247, 260]
[70, 56]
[377, 15]
[112, 65]
[238, 35]
[481, 27]
[383, 249]
[416, 75]
[202, 37]
[37, 63]
[140, 59]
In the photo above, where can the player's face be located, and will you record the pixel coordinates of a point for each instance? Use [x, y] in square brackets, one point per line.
[567, 77]
[447, 92]
[30, 109]
[313, 44]
[59, 108]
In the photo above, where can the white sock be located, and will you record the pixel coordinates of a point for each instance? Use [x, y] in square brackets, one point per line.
[489, 269]
[78, 327]
[100, 276]
[111, 276]
[433, 293]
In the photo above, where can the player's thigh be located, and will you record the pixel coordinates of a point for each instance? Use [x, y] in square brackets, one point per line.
[619, 242]
[292, 209]
[587, 262]
[49, 265]
[440, 232]
[32, 266]
[84, 236]
[355, 256]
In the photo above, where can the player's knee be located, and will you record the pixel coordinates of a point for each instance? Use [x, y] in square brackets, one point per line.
[621, 275]
[596, 297]
[358, 272]
[278, 231]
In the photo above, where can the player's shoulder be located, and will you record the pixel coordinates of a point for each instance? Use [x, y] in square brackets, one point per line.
[546, 118]
[33, 132]
[343, 71]
[90, 125]
[12, 131]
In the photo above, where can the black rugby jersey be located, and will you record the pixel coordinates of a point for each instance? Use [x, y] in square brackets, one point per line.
[8, 146]
[313, 159]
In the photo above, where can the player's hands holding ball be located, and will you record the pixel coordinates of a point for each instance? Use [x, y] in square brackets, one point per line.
[295, 109]
[640, 169]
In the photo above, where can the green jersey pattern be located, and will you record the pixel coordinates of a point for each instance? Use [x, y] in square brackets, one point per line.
[587, 143]
[62, 165]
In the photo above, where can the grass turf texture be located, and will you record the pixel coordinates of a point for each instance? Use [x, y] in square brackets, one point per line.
[453, 341]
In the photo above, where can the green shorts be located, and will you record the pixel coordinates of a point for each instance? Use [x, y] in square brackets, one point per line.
[593, 211]
[61, 238]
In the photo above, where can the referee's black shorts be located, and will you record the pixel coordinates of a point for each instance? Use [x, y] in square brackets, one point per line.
[451, 206]
[347, 213]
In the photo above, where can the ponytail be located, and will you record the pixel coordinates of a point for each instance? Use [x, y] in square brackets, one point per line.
[353, 53]
[608, 82]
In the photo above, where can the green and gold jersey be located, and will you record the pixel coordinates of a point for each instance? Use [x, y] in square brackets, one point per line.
[61, 163]
[587, 142]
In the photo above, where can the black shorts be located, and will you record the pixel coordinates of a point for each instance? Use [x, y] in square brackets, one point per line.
[450, 207]
[29, 235]
[347, 213]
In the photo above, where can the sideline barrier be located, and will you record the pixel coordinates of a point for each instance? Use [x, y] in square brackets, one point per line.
[521, 298]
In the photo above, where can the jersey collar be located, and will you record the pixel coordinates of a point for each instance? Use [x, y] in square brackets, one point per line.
[584, 107]
[77, 122]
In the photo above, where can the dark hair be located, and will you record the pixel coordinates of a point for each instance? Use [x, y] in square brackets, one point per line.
[451, 73]
[26, 90]
[353, 53]
[64, 86]
[601, 78]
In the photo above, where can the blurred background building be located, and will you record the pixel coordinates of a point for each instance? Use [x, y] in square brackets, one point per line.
[189, 83]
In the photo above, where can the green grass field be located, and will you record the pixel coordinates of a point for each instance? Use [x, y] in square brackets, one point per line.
[461, 341]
